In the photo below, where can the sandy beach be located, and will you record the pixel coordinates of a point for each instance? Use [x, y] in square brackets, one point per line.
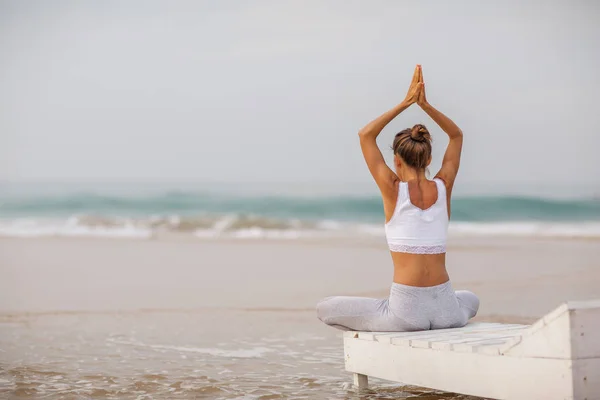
[189, 318]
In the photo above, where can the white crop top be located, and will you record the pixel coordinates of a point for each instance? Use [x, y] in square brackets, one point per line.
[417, 231]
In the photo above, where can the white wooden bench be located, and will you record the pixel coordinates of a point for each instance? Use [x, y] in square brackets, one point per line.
[558, 357]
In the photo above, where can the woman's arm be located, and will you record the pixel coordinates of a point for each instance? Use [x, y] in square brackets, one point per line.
[384, 177]
[451, 161]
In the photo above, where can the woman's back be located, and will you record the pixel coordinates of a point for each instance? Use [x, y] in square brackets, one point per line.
[416, 232]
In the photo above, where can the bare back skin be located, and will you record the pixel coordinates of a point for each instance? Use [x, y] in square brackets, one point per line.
[421, 270]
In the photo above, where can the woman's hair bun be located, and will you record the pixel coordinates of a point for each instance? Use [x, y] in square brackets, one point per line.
[413, 146]
[419, 133]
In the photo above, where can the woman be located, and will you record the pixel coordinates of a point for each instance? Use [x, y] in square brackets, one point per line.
[416, 213]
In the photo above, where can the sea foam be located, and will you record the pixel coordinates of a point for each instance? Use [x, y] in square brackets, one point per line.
[255, 228]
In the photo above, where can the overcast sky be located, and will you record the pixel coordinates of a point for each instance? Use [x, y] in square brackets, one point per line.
[276, 91]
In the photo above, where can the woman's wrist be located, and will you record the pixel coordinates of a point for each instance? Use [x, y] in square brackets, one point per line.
[406, 104]
[425, 106]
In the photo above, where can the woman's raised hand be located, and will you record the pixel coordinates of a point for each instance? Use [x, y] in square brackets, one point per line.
[421, 98]
[413, 91]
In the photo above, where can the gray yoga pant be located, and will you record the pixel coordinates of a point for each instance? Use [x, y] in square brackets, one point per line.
[409, 308]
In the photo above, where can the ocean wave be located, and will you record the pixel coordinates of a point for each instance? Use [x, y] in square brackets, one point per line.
[526, 229]
[257, 227]
[72, 227]
[210, 215]
[256, 352]
[339, 208]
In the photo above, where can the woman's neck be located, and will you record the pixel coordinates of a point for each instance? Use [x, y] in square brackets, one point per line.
[412, 174]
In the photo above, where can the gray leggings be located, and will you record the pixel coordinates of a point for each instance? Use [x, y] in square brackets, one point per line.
[409, 308]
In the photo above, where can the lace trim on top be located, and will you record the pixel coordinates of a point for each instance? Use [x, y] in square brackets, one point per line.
[418, 249]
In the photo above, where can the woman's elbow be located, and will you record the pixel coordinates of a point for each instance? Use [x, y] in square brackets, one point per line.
[456, 134]
[365, 133]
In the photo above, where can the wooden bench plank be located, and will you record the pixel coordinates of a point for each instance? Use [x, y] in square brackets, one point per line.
[467, 328]
[439, 343]
[449, 334]
[386, 337]
[449, 344]
[474, 346]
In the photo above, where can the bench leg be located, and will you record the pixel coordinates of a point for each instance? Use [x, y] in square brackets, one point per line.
[361, 381]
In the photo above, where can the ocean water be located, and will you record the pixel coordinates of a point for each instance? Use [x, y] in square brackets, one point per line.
[143, 213]
[200, 356]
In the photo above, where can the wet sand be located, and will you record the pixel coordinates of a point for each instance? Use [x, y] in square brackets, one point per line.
[189, 318]
[517, 277]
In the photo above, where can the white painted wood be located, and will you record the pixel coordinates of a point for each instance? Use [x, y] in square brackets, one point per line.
[489, 350]
[443, 334]
[361, 381]
[585, 332]
[446, 342]
[388, 337]
[449, 342]
[586, 379]
[567, 333]
[507, 336]
[558, 357]
[476, 345]
[547, 338]
[469, 373]
[475, 326]
[378, 336]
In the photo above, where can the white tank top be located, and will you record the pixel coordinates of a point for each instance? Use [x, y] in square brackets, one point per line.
[417, 231]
